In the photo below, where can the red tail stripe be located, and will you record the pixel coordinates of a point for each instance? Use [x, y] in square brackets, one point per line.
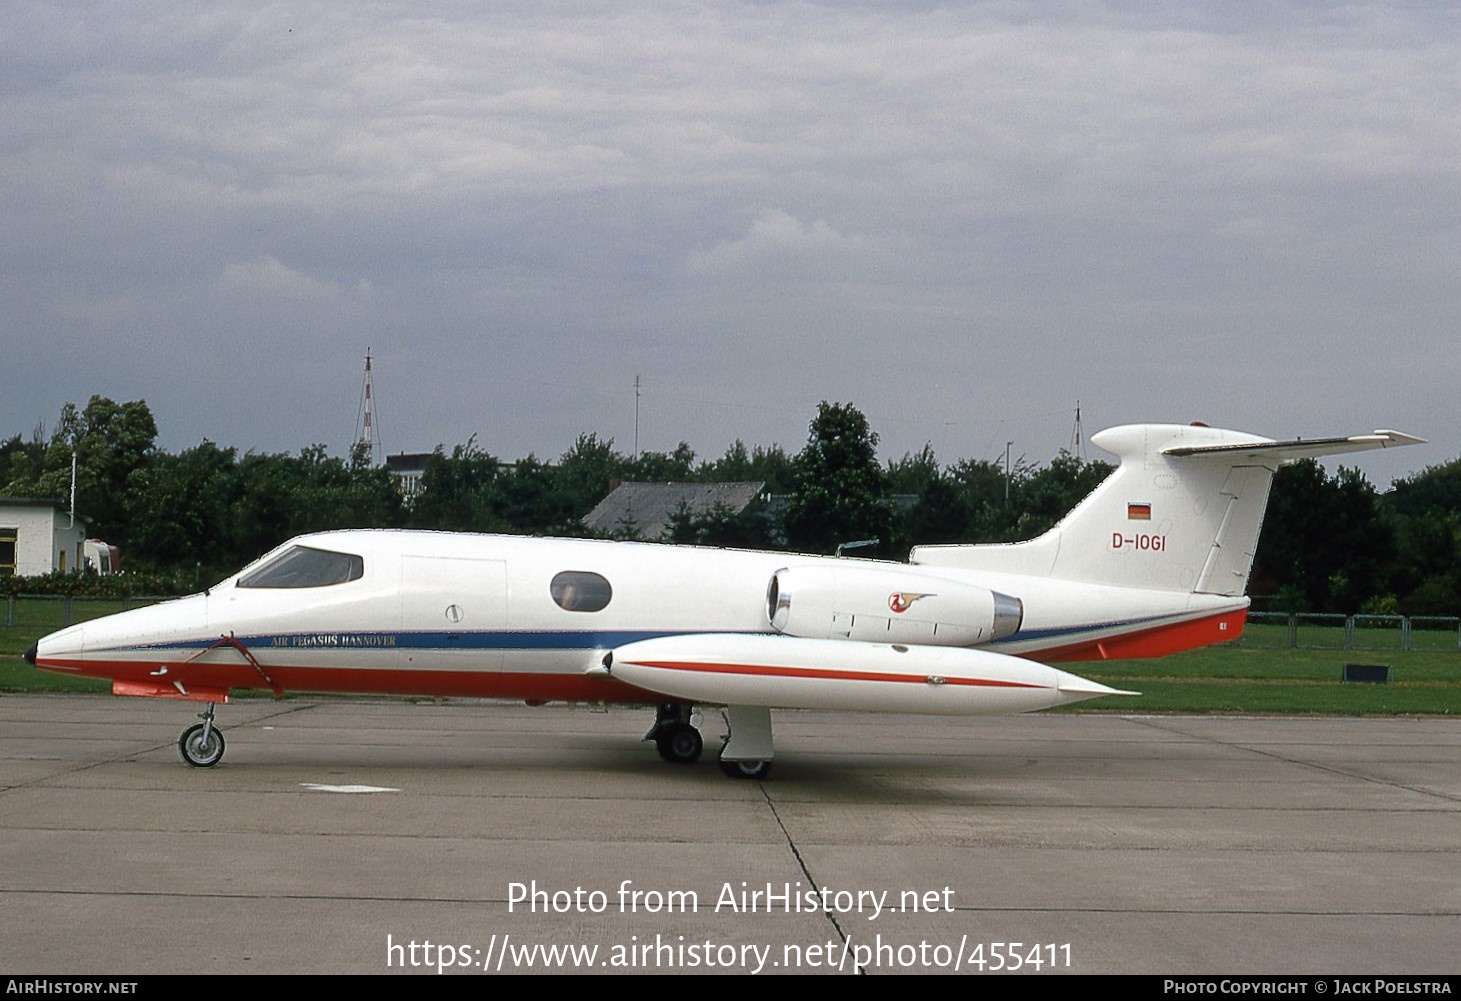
[1155, 642]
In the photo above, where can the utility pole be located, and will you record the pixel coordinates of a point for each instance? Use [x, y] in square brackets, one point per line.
[1077, 440]
[636, 418]
[1007, 473]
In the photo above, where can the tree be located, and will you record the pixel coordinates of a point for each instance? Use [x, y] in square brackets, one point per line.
[770, 466]
[1046, 495]
[839, 487]
[529, 499]
[586, 473]
[178, 508]
[721, 526]
[458, 492]
[657, 467]
[1425, 511]
[983, 487]
[1435, 490]
[939, 514]
[1426, 571]
[109, 442]
[21, 460]
[1323, 536]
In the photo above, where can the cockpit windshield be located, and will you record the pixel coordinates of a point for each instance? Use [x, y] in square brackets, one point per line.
[301, 566]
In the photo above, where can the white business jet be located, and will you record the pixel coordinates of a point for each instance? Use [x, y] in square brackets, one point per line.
[1154, 561]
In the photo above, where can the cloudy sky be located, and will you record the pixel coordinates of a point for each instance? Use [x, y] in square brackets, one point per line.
[961, 217]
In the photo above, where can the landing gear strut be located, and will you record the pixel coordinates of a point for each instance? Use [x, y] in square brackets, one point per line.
[674, 736]
[748, 749]
[746, 753]
[201, 744]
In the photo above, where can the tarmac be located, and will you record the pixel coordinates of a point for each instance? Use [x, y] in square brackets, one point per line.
[343, 836]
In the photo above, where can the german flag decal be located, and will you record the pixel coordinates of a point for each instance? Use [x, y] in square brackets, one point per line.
[1138, 512]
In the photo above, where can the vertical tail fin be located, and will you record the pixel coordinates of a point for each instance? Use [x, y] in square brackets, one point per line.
[1182, 512]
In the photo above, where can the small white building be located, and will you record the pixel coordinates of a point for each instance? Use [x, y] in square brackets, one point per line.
[37, 537]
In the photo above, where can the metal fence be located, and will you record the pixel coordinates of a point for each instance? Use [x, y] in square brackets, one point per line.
[57, 611]
[1319, 631]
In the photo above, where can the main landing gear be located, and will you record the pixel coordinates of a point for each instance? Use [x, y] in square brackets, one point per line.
[746, 753]
[676, 738]
[201, 744]
[748, 750]
[745, 769]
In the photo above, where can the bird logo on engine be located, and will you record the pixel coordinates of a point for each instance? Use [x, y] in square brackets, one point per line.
[901, 601]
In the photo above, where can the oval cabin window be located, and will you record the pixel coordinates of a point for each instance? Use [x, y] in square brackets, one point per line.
[580, 591]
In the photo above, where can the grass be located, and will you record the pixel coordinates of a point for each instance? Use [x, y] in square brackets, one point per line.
[1258, 676]
[18, 676]
[1243, 679]
[34, 618]
[1309, 698]
[35, 615]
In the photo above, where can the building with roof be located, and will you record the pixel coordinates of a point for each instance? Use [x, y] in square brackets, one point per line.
[38, 536]
[645, 510]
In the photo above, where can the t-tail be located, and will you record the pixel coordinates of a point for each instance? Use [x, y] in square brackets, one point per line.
[1181, 513]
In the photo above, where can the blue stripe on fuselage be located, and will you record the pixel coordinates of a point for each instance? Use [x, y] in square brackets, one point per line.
[549, 639]
[1064, 632]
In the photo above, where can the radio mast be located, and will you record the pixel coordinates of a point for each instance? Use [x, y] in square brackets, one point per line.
[366, 435]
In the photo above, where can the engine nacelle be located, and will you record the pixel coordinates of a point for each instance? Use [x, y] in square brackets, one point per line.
[887, 605]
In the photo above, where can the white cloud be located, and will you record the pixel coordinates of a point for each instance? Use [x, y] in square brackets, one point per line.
[778, 243]
[265, 276]
[994, 182]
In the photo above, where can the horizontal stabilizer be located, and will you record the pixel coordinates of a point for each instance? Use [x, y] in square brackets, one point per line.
[1301, 448]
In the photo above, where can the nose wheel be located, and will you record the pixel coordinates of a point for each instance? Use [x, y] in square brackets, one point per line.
[201, 744]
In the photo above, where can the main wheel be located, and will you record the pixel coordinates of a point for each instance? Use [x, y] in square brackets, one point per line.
[746, 769]
[680, 743]
[197, 751]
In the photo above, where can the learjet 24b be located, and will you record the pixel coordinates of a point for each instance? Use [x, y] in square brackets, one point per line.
[1155, 560]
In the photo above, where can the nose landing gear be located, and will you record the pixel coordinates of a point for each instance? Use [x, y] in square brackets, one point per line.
[201, 744]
